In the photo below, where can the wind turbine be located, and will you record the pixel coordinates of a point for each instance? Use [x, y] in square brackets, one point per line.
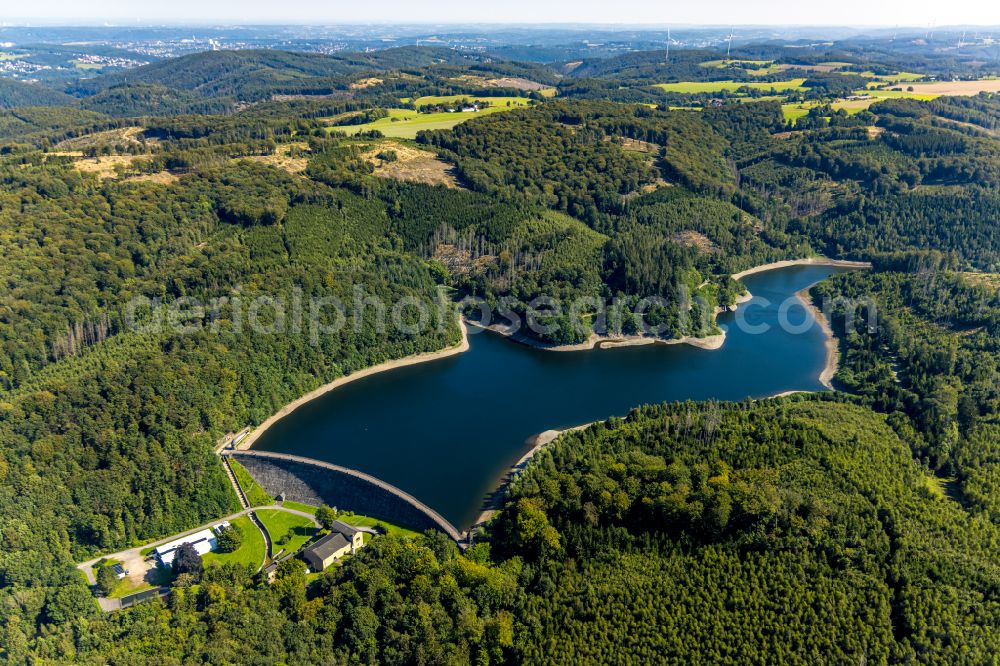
[730, 47]
[668, 44]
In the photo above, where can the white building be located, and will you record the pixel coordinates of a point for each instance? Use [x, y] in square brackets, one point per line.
[203, 542]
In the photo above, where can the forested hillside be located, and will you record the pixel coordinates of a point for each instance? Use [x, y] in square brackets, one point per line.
[14, 94]
[782, 531]
[793, 530]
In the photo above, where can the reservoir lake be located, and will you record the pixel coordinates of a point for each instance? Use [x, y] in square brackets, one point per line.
[447, 430]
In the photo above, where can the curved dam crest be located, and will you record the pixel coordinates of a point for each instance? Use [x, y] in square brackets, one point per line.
[447, 431]
[316, 482]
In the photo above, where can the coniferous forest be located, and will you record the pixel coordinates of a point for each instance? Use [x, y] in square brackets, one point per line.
[858, 526]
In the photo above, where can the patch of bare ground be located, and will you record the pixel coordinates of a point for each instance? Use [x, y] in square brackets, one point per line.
[107, 166]
[875, 132]
[696, 240]
[411, 165]
[652, 187]
[459, 262]
[122, 136]
[288, 156]
[972, 126]
[469, 78]
[637, 146]
[516, 83]
[292, 98]
[361, 84]
[340, 118]
[160, 178]
[988, 280]
[116, 166]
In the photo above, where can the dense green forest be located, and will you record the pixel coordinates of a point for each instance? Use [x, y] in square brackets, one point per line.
[858, 526]
[791, 530]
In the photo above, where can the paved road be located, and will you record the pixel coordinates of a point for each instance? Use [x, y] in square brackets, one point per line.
[88, 567]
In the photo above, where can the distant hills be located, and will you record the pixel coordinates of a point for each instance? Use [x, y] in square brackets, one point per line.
[252, 74]
[222, 81]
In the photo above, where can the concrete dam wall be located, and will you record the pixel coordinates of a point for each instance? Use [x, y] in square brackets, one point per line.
[316, 482]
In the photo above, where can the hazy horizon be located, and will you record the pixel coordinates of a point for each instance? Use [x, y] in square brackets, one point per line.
[623, 14]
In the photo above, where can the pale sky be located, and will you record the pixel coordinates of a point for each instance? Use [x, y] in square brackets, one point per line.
[917, 13]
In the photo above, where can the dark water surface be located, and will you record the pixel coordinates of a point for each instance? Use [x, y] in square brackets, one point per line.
[446, 430]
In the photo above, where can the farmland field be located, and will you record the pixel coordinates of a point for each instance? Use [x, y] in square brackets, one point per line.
[451, 99]
[898, 77]
[957, 88]
[405, 123]
[795, 110]
[694, 87]
[918, 93]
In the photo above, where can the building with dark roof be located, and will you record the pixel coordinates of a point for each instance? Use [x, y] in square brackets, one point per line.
[348, 531]
[342, 540]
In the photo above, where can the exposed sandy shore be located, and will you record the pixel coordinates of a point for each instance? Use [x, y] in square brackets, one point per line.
[830, 369]
[538, 442]
[596, 341]
[812, 261]
[463, 346]
[826, 376]
[785, 394]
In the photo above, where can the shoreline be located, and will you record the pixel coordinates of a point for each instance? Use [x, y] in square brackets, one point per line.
[454, 350]
[493, 502]
[811, 261]
[598, 342]
[539, 441]
[830, 340]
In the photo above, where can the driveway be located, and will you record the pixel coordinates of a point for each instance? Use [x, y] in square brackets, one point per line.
[136, 563]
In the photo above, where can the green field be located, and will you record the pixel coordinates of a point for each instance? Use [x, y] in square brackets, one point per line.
[695, 87]
[898, 77]
[251, 553]
[299, 506]
[10, 56]
[451, 99]
[359, 520]
[405, 123]
[256, 495]
[367, 521]
[749, 67]
[281, 523]
[894, 94]
[794, 111]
